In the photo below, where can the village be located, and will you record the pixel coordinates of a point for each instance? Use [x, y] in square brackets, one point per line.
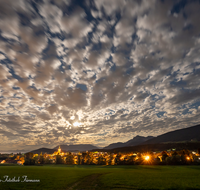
[169, 157]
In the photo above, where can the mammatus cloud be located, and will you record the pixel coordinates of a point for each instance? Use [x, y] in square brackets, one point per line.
[97, 71]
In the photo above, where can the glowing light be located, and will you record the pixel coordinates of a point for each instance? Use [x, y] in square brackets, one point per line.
[188, 158]
[77, 124]
[146, 158]
[72, 117]
[59, 150]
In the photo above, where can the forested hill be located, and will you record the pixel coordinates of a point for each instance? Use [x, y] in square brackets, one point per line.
[181, 135]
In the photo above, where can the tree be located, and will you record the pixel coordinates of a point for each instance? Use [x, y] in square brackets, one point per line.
[22, 160]
[139, 159]
[90, 158]
[164, 156]
[101, 160]
[29, 155]
[174, 159]
[79, 159]
[36, 158]
[59, 159]
[118, 158]
[47, 161]
[84, 158]
[29, 162]
[156, 160]
[131, 159]
[41, 159]
[168, 160]
[198, 151]
[174, 153]
[13, 158]
[69, 159]
[110, 159]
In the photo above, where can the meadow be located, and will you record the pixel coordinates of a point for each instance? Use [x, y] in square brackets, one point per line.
[63, 177]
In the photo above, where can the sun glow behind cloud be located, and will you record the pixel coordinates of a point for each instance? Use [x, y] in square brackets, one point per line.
[77, 124]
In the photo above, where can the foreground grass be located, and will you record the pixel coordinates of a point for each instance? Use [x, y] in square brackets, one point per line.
[154, 177]
[103, 177]
[51, 177]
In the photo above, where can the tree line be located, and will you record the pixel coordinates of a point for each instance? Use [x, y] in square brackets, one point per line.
[181, 157]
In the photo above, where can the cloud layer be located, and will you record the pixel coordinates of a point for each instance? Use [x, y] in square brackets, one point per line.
[118, 68]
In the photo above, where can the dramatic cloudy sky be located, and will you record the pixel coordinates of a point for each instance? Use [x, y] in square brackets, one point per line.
[96, 71]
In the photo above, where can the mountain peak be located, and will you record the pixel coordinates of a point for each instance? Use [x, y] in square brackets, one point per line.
[185, 134]
[138, 136]
[133, 142]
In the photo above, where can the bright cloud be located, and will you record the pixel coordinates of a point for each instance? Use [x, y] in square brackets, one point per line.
[96, 72]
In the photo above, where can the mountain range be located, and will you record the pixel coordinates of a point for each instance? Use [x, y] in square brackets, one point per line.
[180, 135]
[190, 134]
[133, 142]
[79, 147]
[43, 150]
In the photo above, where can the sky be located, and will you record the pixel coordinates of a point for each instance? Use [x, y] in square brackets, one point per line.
[96, 71]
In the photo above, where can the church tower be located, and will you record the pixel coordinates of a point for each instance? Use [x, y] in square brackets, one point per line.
[59, 150]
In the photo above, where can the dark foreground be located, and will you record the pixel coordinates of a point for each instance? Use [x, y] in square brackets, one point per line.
[100, 177]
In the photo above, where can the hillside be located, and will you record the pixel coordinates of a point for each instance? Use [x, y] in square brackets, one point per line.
[114, 145]
[79, 147]
[193, 146]
[133, 142]
[43, 150]
[137, 140]
[186, 134]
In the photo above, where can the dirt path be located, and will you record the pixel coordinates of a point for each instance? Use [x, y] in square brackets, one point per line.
[90, 182]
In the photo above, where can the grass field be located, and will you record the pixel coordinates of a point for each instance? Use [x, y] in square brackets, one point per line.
[102, 177]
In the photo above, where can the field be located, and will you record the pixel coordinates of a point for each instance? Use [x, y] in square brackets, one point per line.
[102, 177]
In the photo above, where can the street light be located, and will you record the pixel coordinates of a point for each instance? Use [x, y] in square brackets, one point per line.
[147, 158]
